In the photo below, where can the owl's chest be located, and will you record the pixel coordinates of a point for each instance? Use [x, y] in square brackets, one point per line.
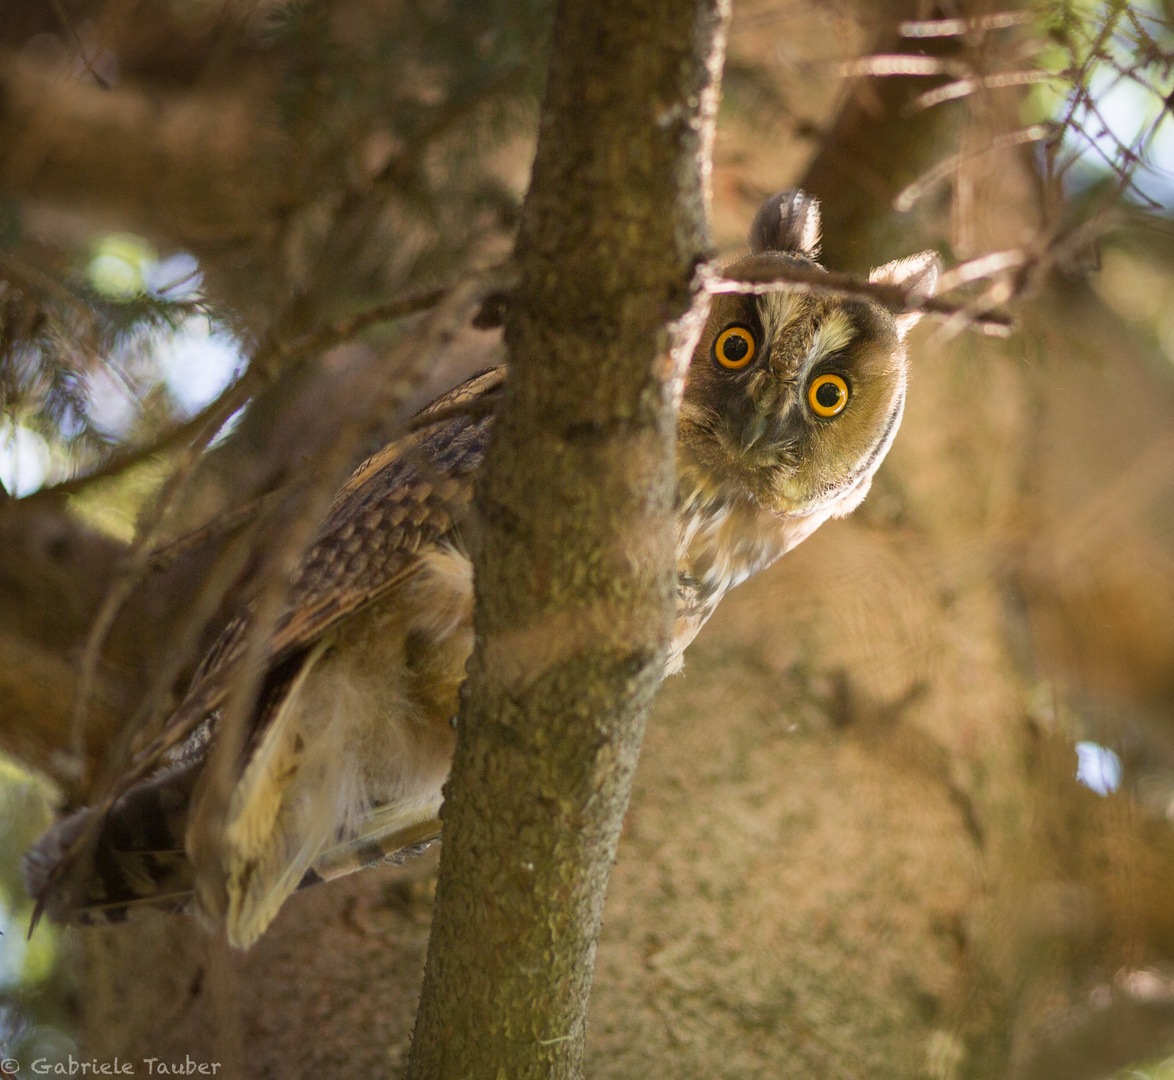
[719, 545]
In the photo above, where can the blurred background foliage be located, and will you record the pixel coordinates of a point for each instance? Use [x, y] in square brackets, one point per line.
[910, 811]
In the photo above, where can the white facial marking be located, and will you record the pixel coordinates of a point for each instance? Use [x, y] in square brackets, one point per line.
[834, 334]
[777, 311]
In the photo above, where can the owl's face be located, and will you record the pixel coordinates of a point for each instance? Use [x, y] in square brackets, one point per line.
[795, 397]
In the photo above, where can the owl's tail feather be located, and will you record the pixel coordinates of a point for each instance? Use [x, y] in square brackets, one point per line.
[85, 870]
[136, 857]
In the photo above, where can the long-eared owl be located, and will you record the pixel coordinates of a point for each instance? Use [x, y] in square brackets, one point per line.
[790, 404]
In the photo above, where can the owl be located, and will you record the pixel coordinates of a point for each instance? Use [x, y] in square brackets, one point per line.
[791, 401]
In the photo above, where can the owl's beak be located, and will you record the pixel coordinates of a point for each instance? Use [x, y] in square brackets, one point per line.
[754, 429]
[763, 429]
[769, 404]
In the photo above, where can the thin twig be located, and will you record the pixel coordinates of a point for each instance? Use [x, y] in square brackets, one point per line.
[347, 328]
[882, 65]
[925, 28]
[911, 194]
[983, 267]
[225, 523]
[894, 297]
[71, 30]
[964, 87]
[1082, 74]
[970, 313]
[308, 344]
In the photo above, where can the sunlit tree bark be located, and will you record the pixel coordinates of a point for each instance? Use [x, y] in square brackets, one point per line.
[575, 560]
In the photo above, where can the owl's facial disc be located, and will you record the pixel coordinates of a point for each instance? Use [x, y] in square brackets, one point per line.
[793, 397]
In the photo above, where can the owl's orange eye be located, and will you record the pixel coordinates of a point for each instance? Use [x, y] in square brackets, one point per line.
[828, 394]
[734, 348]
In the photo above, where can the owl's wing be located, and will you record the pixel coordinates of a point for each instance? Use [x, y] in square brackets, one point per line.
[398, 503]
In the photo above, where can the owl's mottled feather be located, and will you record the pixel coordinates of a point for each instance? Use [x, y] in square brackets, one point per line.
[398, 503]
[385, 527]
[790, 404]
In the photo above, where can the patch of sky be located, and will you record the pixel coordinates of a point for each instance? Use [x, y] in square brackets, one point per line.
[195, 362]
[1098, 768]
[198, 362]
[177, 277]
[113, 407]
[25, 459]
[1124, 115]
[123, 265]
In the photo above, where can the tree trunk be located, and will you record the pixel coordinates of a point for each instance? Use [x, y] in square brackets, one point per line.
[575, 557]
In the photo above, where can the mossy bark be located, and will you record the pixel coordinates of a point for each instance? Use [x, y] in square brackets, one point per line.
[575, 555]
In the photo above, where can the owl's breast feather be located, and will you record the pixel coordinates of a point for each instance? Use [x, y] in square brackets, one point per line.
[721, 543]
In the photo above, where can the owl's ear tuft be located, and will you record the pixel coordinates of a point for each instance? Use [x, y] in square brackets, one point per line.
[917, 273]
[788, 221]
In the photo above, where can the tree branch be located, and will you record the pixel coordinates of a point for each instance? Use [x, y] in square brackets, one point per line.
[894, 297]
[574, 555]
[71, 30]
[53, 575]
[186, 165]
[311, 343]
[875, 147]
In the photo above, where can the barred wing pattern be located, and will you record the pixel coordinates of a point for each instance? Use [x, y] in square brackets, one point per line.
[401, 502]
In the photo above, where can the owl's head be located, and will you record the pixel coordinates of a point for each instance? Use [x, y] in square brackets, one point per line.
[791, 396]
